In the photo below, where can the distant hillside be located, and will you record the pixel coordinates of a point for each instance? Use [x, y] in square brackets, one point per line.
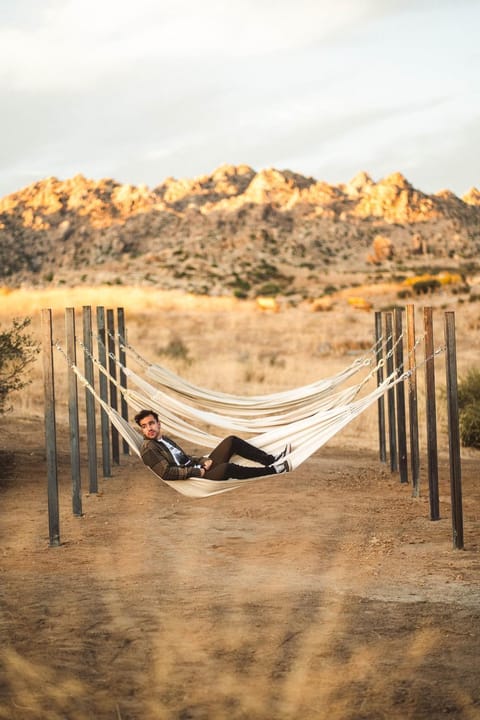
[235, 231]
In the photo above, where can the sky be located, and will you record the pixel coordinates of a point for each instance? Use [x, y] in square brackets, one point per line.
[148, 89]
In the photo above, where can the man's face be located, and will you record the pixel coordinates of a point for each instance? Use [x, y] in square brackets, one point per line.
[151, 428]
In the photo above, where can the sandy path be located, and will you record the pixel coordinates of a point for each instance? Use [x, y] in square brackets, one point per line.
[326, 593]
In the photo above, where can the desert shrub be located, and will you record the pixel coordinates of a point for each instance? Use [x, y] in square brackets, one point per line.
[240, 284]
[240, 294]
[469, 389]
[469, 268]
[265, 271]
[17, 352]
[469, 408]
[330, 289]
[176, 349]
[461, 290]
[422, 287]
[270, 289]
[469, 422]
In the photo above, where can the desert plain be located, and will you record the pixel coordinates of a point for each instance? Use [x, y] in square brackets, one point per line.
[323, 593]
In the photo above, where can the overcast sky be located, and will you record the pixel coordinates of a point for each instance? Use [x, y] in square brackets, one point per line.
[142, 90]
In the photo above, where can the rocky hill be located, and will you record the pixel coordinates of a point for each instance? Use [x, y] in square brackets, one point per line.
[235, 231]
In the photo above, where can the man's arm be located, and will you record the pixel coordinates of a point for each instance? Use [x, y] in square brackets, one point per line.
[153, 456]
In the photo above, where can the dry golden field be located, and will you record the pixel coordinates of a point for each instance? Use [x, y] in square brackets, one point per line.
[231, 345]
[327, 593]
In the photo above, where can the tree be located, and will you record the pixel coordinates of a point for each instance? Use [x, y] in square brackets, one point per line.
[17, 350]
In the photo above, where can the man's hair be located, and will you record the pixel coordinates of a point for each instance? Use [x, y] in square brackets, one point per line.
[143, 414]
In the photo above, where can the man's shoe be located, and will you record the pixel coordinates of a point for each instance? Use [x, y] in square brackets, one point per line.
[283, 466]
[281, 456]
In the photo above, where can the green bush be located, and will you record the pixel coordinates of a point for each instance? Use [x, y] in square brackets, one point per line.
[422, 287]
[269, 288]
[469, 389]
[469, 409]
[17, 351]
[469, 422]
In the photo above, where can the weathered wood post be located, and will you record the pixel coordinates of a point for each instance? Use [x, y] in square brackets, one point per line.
[400, 396]
[381, 399]
[73, 412]
[50, 429]
[103, 392]
[412, 401]
[454, 432]
[392, 428]
[90, 400]
[431, 412]
[122, 357]
[112, 369]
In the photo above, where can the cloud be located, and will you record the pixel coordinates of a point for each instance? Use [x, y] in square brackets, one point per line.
[77, 42]
[138, 91]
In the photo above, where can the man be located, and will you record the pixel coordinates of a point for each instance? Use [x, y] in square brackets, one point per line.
[170, 462]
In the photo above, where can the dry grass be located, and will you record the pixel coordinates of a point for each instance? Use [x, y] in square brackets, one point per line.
[228, 344]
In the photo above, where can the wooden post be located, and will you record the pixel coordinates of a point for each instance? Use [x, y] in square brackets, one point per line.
[454, 432]
[50, 429]
[122, 356]
[103, 392]
[400, 394]
[381, 399]
[112, 369]
[431, 412]
[73, 413]
[392, 429]
[412, 401]
[90, 400]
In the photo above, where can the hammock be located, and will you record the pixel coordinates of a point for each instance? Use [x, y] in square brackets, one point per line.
[245, 424]
[176, 410]
[244, 406]
[307, 432]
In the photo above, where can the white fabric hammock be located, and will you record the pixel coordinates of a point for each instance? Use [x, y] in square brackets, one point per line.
[283, 414]
[251, 406]
[307, 432]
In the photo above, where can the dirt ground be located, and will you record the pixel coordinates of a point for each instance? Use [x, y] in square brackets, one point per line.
[324, 593]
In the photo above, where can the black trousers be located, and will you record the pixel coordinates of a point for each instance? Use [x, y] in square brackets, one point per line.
[222, 468]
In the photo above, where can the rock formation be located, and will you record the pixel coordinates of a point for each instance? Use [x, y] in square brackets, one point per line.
[236, 231]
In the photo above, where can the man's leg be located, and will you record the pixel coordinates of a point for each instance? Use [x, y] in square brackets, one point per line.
[234, 445]
[224, 471]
